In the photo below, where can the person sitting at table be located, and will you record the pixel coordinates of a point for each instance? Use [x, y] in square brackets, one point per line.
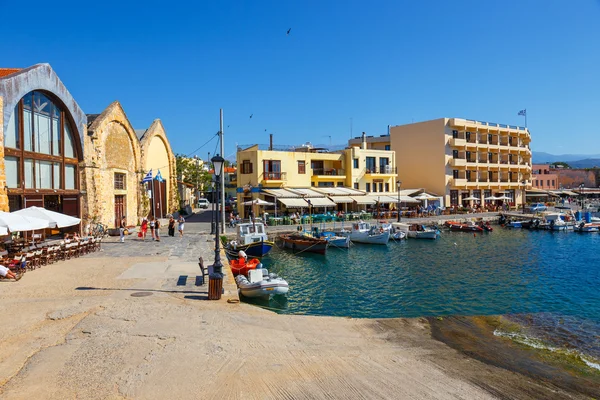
[294, 218]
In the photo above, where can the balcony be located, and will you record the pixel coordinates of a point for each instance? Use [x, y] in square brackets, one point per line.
[329, 172]
[457, 142]
[459, 182]
[458, 162]
[387, 170]
[274, 176]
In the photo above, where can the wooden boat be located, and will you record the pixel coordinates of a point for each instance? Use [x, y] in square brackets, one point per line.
[240, 266]
[466, 227]
[415, 231]
[336, 241]
[252, 239]
[260, 283]
[304, 243]
[363, 232]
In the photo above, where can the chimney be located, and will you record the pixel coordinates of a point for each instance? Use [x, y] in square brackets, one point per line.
[389, 126]
[364, 141]
[270, 141]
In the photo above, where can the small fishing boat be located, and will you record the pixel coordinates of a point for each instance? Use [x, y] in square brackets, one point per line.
[336, 241]
[466, 227]
[252, 239]
[557, 222]
[299, 242]
[587, 227]
[514, 224]
[241, 266]
[261, 283]
[415, 231]
[363, 232]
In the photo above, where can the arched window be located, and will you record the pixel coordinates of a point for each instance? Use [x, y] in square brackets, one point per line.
[41, 154]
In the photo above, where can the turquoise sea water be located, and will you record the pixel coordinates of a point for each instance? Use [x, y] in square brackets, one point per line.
[549, 281]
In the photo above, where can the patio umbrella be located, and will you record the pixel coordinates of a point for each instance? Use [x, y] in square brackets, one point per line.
[472, 198]
[257, 202]
[425, 196]
[55, 220]
[503, 197]
[492, 198]
[16, 223]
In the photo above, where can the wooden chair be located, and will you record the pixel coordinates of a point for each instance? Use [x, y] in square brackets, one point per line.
[30, 260]
[37, 257]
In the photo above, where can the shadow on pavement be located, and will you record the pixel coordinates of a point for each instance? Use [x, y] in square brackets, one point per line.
[144, 290]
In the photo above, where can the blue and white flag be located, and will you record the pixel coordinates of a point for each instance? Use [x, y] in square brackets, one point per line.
[523, 113]
[148, 177]
[159, 177]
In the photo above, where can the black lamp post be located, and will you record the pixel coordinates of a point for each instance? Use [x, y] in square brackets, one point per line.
[398, 186]
[218, 162]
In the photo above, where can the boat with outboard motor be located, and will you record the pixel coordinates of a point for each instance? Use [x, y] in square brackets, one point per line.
[261, 283]
[252, 239]
[363, 232]
[241, 265]
[463, 226]
[415, 231]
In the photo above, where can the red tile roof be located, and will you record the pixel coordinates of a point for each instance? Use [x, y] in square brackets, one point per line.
[8, 71]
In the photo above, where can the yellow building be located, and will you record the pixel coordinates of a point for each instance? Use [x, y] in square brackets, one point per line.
[460, 158]
[342, 179]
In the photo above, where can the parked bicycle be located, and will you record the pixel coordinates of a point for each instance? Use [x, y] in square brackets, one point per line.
[99, 230]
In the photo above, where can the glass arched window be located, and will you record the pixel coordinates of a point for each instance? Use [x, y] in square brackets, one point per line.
[39, 147]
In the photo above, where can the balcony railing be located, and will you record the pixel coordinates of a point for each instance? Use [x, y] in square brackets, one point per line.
[388, 169]
[274, 176]
[329, 171]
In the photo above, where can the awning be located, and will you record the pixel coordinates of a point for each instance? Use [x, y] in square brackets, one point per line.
[394, 199]
[341, 199]
[293, 202]
[280, 193]
[363, 199]
[321, 202]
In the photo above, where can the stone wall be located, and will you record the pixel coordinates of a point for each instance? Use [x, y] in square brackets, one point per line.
[572, 178]
[111, 147]
[3, 194]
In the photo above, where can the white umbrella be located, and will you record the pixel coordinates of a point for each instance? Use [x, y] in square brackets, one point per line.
[3, 231]
[55, 220]
[16, 223]
[425, 196]
[472, 198]
[257, 202]
[503, 197]
[491, 198]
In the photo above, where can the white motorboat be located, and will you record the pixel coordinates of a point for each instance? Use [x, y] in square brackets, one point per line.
[415, 231]
[583, 227]
[557, 222]
[363, 232]
[252, 239]
[261, 283]
[336, 241]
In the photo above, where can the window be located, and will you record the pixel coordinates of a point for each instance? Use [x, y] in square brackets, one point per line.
[370, 164]
[381, 186]
[553, 183]
[302, 167]
[356, 185]
[120, 181]
[454, 197]
[272, 169]
[70, 180]
[455, 134]
[11, 137]
[491, 176]
[325, 184]
[387, 187]
[368, 187]
[43, 174]
[487, 193]
[388, 147]
[454, 153]
[374, 187]
[29, 174]
[340, 184]
[11, 167]
[455, 173]
[383, 165]
[246, 167]
[356, 163]
[548, 182]
[490, 157]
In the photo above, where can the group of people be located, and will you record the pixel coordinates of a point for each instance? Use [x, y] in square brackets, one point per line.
[154, 225]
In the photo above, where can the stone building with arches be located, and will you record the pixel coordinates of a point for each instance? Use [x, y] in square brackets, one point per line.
[91, 166]
[158, 156]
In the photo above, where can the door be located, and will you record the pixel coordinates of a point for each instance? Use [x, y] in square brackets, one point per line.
[159, 199]
[120, 208]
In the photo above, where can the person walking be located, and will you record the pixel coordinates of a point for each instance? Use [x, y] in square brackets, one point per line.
[122, 228]
[181, 222]
[157, 229]
[171, 226]
[152, 225]
[144, 227]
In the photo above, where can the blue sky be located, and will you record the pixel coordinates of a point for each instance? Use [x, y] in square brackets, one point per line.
[370, 62]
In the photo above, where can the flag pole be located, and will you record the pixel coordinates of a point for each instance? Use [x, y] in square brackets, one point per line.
[160, 199]
[525, 118]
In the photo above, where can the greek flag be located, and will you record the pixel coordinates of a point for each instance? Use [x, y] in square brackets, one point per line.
[148, 177]
[523, 113]
[159, 177]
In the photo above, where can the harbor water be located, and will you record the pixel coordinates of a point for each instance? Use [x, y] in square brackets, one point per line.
[547, 282]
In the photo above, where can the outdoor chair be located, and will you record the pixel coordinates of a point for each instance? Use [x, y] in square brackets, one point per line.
[37, 258]
[46, 255]
[203, 270]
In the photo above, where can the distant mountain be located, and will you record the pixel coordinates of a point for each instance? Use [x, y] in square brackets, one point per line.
[544, 158]
[587, 163]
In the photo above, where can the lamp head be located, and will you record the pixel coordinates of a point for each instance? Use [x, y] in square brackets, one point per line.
[218, 162]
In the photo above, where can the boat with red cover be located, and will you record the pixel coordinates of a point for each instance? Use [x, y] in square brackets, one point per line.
[240, 266]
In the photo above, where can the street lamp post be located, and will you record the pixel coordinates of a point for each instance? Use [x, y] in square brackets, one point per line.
[215, 284]
[398, 186]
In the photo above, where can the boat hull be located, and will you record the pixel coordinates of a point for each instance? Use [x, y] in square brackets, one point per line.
[423, 235]
[318, 246]
[341, 242]
[365, 238]
[256, 249]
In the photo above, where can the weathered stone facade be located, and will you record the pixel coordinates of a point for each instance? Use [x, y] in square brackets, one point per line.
[157, 155]
[111, 147]
[3, 193]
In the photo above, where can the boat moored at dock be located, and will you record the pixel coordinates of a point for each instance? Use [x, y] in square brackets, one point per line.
[363, 232]
[252, 239]
[262, 284]
[415, 231]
